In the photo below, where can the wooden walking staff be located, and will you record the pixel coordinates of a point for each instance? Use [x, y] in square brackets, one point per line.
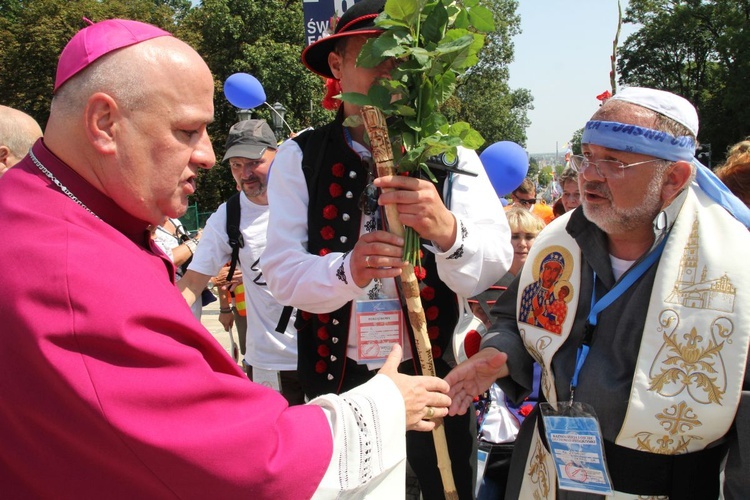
[377, 130]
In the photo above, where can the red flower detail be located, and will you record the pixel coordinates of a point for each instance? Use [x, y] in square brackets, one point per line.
[321, 367]
[433, 332]
[427, 293]
[526, 409]
[323, 333]
[323, 351]
[306, 315]
[327, 233]
[421, 254]
[330, 212]
[335, 190]
[338, 169]
[333, 88]
[323, 318]
[437, 352]
[324, 251]
[431, 313]
[420, 272]
[604, 96]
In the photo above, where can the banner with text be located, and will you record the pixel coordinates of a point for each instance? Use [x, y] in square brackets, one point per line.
[318, 14]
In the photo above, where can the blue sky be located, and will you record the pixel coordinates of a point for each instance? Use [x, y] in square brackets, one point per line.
[562, 57]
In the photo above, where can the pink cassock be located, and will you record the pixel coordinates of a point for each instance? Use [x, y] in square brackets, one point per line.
[109, 387]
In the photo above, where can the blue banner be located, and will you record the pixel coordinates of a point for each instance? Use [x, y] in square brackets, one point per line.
[318, 14]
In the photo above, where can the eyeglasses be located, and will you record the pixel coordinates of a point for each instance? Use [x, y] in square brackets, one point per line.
[607, 169]
[526, 202]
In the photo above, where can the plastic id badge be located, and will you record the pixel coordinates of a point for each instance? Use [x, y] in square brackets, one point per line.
[267, 378]
[575, 443]
[483, 454]
[378, 328]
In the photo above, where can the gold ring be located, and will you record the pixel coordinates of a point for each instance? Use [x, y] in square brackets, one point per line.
[430, 412]
[367, 261]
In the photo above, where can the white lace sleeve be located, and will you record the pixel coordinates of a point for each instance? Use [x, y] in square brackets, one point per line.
[369, 443]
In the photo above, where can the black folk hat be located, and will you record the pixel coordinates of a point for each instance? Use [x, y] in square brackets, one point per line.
[357, 20]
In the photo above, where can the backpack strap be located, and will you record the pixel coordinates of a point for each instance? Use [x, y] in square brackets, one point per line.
[236, 241]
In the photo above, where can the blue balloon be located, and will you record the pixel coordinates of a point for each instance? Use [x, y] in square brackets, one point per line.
[244, 91]
[506, 164]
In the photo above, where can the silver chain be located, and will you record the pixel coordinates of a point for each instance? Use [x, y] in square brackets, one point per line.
[58, 183]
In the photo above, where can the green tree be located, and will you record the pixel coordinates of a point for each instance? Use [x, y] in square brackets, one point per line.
[575, 141]
[483, 97]
[34, 33]
[264, 39]
[697, 49]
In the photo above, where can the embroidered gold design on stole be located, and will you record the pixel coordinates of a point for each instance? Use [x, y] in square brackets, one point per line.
[700, 293]
[677, 420]
[538, 472]
[689, 362]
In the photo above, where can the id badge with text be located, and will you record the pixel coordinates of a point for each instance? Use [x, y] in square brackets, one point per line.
[575, 443]
[378, 328]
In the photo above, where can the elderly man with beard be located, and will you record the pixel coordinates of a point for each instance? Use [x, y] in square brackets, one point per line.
[648, 369]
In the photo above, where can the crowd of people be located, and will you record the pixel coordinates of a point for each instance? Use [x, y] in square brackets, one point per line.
[620, 312]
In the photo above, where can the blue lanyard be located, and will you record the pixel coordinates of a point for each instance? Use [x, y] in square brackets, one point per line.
[598, 306]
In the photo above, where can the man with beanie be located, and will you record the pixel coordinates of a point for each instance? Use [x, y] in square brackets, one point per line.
[110, 387]
[270, 356]
[328, 255]
[648, 373]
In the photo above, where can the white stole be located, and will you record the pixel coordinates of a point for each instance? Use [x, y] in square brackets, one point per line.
[688, 378]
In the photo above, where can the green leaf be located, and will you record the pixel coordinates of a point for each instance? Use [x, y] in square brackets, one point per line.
[380, 97]
[434, 26]
[453, 43]
[473, 140]
[481, 18]
[470, 3]
[389, 44]
[434, 123]
[462, 20]
[353, 121]
[413, 124]
[370, 55]
[403, 110]
[402, 10]
[356, 98]
[428, 172]
[445, 84]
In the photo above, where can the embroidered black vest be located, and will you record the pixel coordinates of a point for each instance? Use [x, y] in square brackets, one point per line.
[336, 176]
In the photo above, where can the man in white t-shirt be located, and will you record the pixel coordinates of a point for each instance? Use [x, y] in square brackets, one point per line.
[271, 357]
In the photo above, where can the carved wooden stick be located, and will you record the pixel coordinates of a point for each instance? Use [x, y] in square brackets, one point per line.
[382, 153]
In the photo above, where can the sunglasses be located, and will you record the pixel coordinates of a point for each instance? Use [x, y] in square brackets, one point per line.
[526, 202]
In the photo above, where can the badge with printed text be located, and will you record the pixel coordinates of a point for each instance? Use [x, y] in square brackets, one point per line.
[378, 328]
[575, 443]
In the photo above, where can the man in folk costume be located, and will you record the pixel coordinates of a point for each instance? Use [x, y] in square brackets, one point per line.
[328, 255]
[115, 390]
[656, 336]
